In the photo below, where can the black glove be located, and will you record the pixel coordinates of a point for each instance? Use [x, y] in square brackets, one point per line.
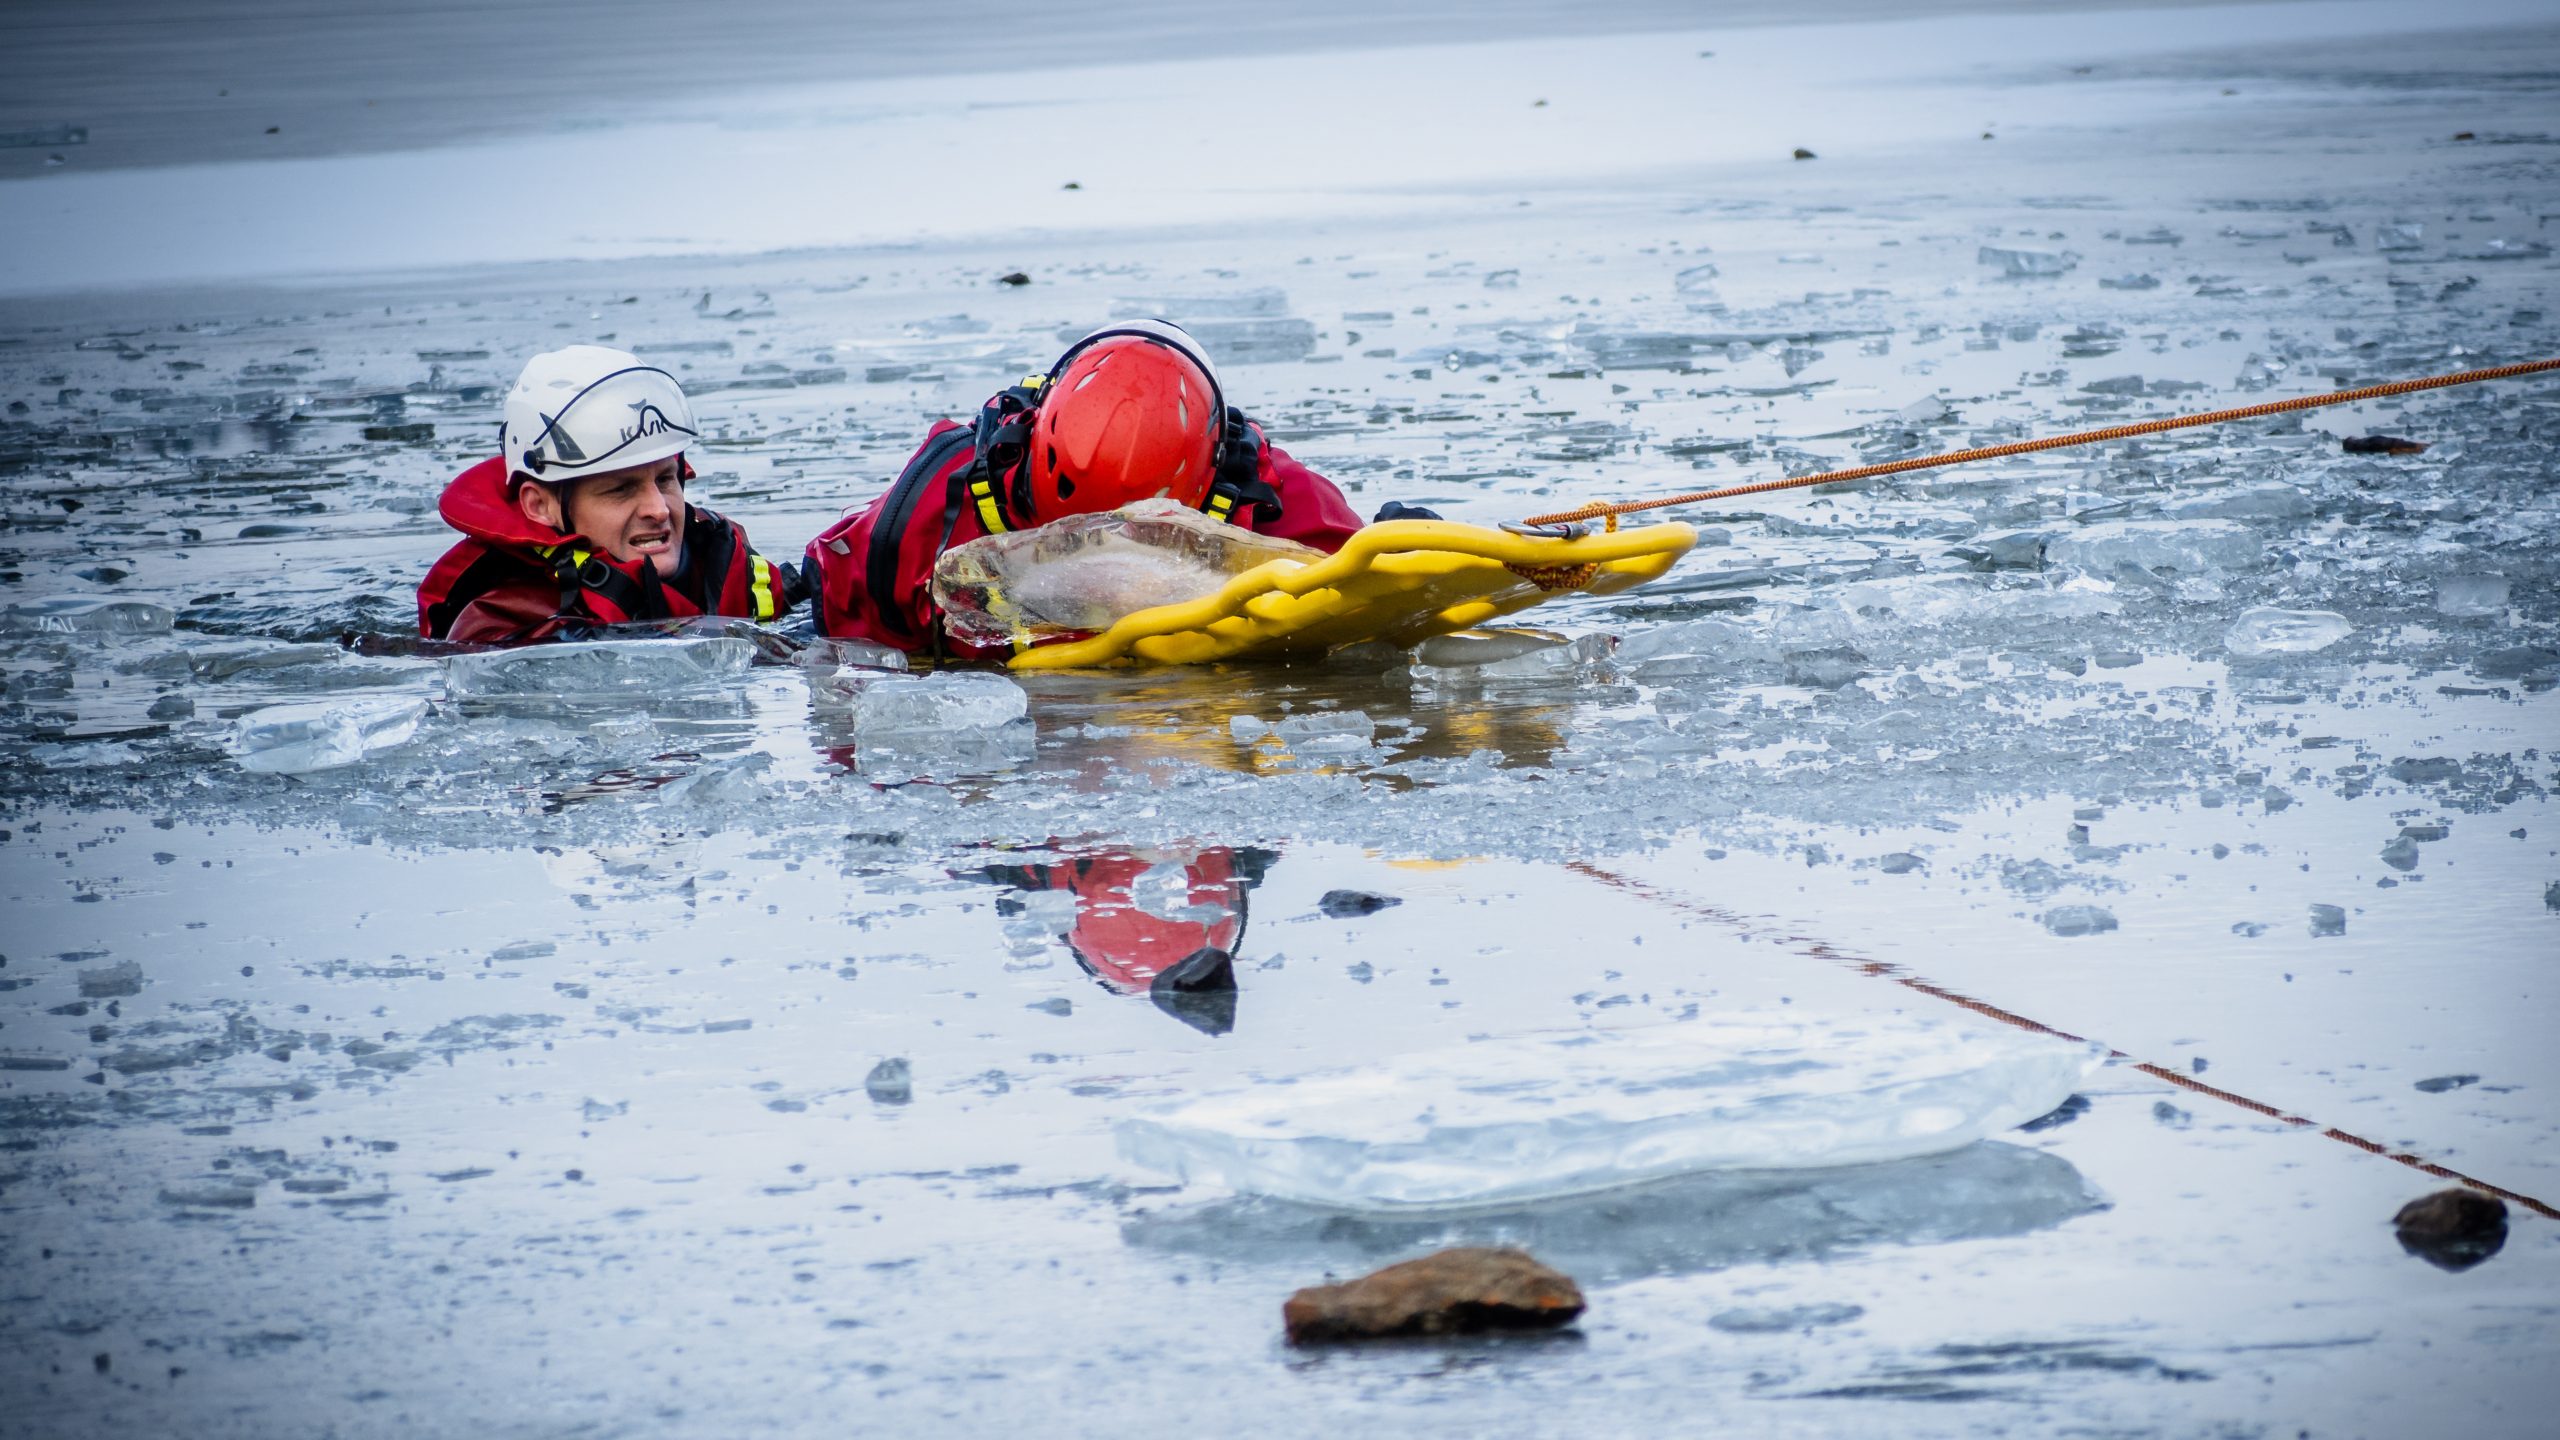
[1398, 510]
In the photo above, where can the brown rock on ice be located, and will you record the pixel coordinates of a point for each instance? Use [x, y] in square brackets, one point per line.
[1458, 1291]
[2382, 445]
[2452, 1229]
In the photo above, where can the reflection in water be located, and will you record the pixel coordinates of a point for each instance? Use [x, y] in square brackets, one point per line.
[1165, 921]
[1678, 1227]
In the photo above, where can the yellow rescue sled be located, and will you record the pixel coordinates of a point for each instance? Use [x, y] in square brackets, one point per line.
[1400, 581]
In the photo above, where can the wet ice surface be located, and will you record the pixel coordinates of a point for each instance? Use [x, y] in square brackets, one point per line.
[749, 1058]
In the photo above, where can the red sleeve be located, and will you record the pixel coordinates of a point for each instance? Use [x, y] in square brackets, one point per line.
[842, 559]
[514, 614]
[1312, 509]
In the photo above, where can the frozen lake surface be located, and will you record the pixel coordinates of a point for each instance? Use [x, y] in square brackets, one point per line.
[698, 1047]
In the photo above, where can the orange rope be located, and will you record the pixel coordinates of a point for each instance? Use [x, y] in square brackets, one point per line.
[1599, 508]
[1885, 970]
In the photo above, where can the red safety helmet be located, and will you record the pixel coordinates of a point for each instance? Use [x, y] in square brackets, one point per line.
[1130, 412]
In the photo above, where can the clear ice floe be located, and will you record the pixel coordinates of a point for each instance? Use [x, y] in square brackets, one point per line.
[2400, 235]
[947, 700]
[1543, 1116]
[2195, 548]
[2024, 263]
[1086, 572]
[2264, 630]
[302, 738]
[600, 668]
[85, 615]
[1512, 655]
[2472, 595]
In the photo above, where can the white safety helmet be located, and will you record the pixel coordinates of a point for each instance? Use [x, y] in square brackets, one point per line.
[589, 409]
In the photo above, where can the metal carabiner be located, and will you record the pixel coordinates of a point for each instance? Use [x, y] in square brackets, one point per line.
[1567, 530]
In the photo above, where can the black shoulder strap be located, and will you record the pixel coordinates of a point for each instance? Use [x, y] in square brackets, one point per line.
[880, 563]
[580, 570]
[1240, 483]
[711, 544]
[1003, 435]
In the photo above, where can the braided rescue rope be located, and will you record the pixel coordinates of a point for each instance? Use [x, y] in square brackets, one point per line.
[1598, 508]
[1885, 970]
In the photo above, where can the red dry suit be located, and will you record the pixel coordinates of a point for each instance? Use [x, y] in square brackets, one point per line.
[513, 581]
[1121, 937]
[873, 570]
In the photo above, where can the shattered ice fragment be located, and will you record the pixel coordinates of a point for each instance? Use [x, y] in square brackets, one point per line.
[591, 668]
[1325, 730]
[2403, 235]
[2023, 263]
[946, 700]
[2130, 282]
[2401, 853]
[1483, 647]
[1696, 280]
[110, 981]
[2327, 920]
[2470, 595]
[1927, 410]
[1765, 1320]
[85, 615]
[2189, 547]
[1085, 573]
[1539, 1116]
[325, 735]
[2438, 1084]
[2075, 920]
[1246, 729]
[2265, 630]
[1900, 862]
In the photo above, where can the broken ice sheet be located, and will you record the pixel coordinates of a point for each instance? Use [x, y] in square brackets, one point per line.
[600, 668]
[2019, 264]
[1540, 1116]
[325, 735]
[2265, 630]
[85, 615]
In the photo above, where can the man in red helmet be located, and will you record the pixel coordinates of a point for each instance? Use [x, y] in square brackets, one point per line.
[1130, 412]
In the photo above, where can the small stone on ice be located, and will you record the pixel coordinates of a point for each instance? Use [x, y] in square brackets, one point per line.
[890, 1082]
[2072, 920]
[1461, 1291]
[2452, 1229]
[1351, 904]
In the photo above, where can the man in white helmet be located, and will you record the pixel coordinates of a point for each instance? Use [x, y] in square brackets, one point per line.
[582, 520]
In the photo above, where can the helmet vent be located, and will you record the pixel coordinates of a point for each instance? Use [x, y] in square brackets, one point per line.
[1066, 487]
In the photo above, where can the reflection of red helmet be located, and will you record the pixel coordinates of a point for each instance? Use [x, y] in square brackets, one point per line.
[1130, 416]
[1122, 933]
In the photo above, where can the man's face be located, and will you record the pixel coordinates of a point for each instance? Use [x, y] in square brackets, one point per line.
[633, 512]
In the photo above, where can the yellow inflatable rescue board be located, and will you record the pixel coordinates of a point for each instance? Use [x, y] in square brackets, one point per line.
[1400, 581]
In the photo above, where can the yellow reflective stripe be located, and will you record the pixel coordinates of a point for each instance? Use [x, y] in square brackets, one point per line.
[990, 514]
[762, 588]
[1220, 506]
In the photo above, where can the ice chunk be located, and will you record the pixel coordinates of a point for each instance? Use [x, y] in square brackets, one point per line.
[85, 615]
[2075, 920]
[1483, 647]
[1261, 300]
[324, 735]
[591, 668]
[2468, 595]
[2183, 548]
[1511, 655]
[2401, 235]
[1540, 1116]
[1696, 280]
[1084, 573]
[2021, 264]
[1324, 732]
[947, 700]
[2266, 630]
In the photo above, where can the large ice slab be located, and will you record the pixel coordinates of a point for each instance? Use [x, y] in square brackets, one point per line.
[85, 615]
[593, 668]
[325, 735]
[1083, 573]
[1537, 1117]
